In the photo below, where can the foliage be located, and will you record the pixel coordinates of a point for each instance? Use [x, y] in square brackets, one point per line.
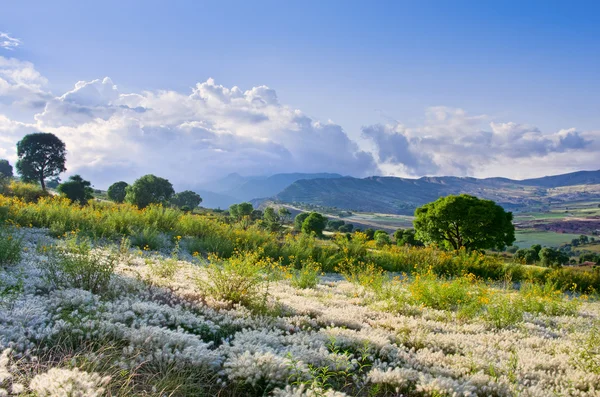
[117, 191]
[241, 210]
[382, 238]
[550, 257]
[271, 220]
[187, 198]
[77, 189]
[147, 239]
[240, 279]
[27, 192]
[307, 276]
[10, 246]
[314, 224]
[527, 256]
[6, 170]
[407, 237]
[75, 264]
[299, 220]
[464, 221]
[41, 156]
[455, 294]
[149, 189]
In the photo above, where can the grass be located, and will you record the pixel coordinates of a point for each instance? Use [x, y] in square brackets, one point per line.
[527, 238]
[10, 246]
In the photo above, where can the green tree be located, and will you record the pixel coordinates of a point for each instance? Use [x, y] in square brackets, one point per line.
[553, 258]
[464, 221]
[382, 238]
[241, 210]
[407, 237]
[334, 224]
[41, 155]
[370, 233]
[271, 220]
[299, 220]
[346, 228]
[187, 198]
[149, 189]
[314, 223]
[117, 191]
[285, 214]
[6, 170]
[76, 189]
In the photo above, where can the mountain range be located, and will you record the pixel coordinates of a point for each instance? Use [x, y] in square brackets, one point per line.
[394, 195]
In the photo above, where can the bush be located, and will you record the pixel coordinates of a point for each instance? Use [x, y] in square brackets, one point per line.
[76, 265]
[10, 247]
[28, 192]
[452, 294]
[307, 276]
[240, 279]
[148, 239]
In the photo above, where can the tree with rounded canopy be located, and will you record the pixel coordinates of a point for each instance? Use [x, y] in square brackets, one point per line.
[149, 189]
[407, 237]
[76, 189]
[41, 155]
[117, 191]
[314, 223]
[465, 221]
[241, 210]
[187, 198]
[553, 258]
[299, 219]
[6, 170]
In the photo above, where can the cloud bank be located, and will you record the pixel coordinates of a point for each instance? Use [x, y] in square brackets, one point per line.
[452, 142]
[191, 137]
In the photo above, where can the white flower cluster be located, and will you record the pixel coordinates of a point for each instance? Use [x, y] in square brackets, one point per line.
[322, 333]
[59, 382]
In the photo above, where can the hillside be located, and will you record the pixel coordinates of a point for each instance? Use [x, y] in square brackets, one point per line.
[402, 195]
[235, 188]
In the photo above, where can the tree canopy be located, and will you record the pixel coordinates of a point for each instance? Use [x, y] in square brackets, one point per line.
[117, 191]
[41, 155]
[186, 200]
[299, 219]
[6, 170]
[464, 221]
[241, 210]
[314, 223]
[149, 189]
[407, 237]
[76, 189]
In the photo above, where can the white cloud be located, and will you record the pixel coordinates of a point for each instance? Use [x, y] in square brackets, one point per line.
[214, 130]
[451, 142]
[188, 137]
[7, 42]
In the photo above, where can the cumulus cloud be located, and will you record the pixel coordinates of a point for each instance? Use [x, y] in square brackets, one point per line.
[7, 42]
[452, 142]
[187, 137]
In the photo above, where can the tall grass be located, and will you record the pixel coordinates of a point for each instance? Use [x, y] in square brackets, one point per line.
[155, 225]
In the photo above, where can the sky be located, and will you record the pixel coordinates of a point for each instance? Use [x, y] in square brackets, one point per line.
[194, 90]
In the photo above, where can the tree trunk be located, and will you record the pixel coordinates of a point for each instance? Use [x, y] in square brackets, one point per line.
[43, 183]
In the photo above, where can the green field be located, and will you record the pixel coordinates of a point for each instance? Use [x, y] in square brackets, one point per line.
[526, 238]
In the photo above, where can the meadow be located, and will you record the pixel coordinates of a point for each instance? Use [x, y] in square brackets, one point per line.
[111, 300]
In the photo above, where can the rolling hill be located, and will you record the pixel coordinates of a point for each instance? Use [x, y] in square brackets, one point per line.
[402, 195]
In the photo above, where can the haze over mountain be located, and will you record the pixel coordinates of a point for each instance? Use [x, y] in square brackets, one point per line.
[234, 188]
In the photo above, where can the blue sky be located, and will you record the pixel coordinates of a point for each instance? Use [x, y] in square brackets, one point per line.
[358, 64]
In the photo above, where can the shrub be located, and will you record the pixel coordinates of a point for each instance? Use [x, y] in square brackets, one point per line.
[367, 275]
[148, 239]
[307, 276]
[504, 310]
[240, 279]
[454, 294]
[166, 268]
[10, 247]
[76, 265]
[27, 192]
